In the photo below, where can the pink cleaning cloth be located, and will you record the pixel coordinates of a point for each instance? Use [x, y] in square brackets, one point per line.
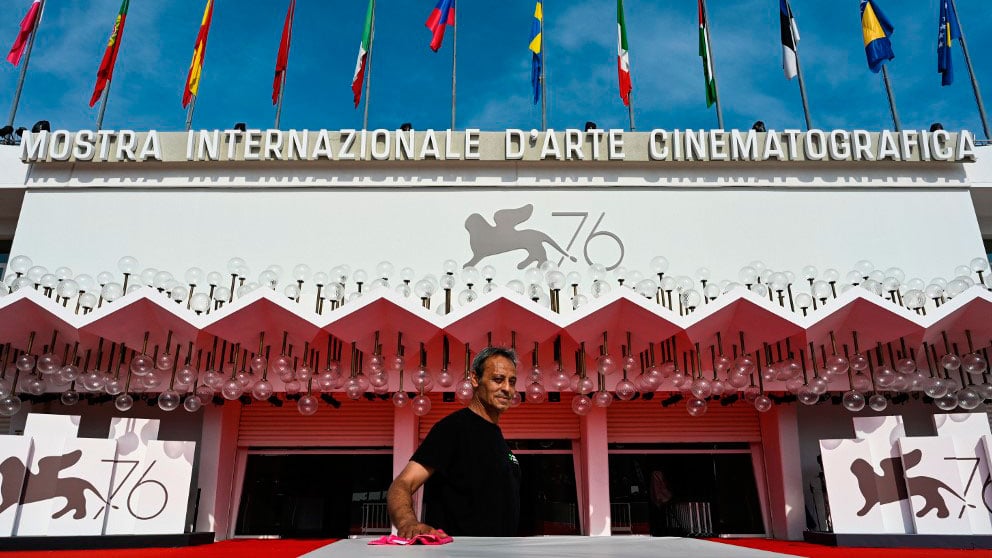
[431, 540]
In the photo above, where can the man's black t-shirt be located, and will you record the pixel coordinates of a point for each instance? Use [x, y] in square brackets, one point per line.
[475, 488]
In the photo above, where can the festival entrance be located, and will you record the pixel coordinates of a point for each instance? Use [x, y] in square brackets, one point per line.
[315, 495]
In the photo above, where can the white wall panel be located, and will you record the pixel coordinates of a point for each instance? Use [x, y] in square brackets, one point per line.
[723, 229]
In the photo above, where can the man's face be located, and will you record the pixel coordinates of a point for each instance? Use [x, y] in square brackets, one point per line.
[498, 384]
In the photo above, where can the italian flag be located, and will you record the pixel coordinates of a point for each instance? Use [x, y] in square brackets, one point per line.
[363, 55]
[623, 56]
[704, 53]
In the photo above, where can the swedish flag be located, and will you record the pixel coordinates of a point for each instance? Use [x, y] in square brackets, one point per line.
[948, 31]
[537, 51]
[876, 30]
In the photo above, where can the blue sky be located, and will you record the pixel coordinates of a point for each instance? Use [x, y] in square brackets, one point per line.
[412, 84]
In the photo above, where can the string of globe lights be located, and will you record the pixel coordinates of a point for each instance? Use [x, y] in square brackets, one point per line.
[174, 375]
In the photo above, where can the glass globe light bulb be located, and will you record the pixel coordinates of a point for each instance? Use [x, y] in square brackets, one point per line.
[762, 403]
[67, 288]
[581, 405]
[696, 407]
[307, 405]
[421, 405]
[234, 263]
[878, 402]
[747, 275]
[853, 401]
[124, 402]
[20, 264]
[536, 393]
[193, 403]
[261, 390]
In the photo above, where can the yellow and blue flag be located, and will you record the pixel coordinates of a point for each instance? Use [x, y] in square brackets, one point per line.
[948, 32]
[876, 30]
[537, 51]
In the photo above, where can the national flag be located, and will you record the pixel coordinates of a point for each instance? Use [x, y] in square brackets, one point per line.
[790, 40]
[704, 53]
[949, 30]
[106, 72]
[876, 30]
[28, 25]
[199, 54]
[537, 50]
[282, 60]
[623, 56]
[363, 54]
[442, 16]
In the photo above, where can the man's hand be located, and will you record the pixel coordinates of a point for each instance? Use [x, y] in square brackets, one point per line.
[410, 530]
[399, 500]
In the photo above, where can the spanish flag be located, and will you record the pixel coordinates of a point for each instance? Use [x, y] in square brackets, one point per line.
[876, 30]
[106, 72]
[199, 54]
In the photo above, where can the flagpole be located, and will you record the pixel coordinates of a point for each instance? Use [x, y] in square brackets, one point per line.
[892, 99]
[716, 87]
[454, 67]
[799, 71]
[544, 76]
[282, 92]
[285, 70]
[189, 113]
[24, 68]
[630, 110]
[630, 97]
[971, 71]
[368, 70]
[103, 105]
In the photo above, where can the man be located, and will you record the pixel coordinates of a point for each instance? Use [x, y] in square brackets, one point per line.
[472, 477]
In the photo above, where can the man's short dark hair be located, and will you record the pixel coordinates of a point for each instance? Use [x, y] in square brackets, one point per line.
[479, 362]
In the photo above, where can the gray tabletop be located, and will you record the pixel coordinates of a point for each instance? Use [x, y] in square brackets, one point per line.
[546, 547]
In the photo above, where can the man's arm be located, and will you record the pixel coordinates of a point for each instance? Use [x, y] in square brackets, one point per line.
[399, 501]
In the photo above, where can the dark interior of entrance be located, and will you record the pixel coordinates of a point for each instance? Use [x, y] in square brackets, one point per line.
[334, 496]
[327, 496]
[548, 502]
[684, 494]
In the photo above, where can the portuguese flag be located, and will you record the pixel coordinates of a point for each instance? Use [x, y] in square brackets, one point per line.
[363, 55]
[623, 57]
[106, 72]
[704, 53]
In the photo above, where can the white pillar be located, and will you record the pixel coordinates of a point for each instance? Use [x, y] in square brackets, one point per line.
[215, 480]
[595, 481]
[783, 472]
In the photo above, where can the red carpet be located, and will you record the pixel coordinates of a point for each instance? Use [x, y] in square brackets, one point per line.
[239, 548]
[818, 551]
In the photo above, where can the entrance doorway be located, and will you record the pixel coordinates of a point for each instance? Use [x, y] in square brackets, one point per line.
[548, 500]
[314, 495]
[690, 493]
